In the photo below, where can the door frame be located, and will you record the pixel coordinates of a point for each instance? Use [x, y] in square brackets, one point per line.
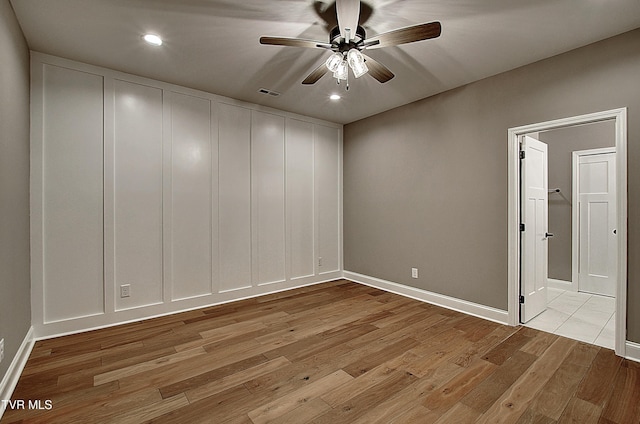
[513, 211]
[575, 230]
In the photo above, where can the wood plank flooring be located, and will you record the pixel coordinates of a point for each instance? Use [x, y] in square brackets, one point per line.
[332, 353]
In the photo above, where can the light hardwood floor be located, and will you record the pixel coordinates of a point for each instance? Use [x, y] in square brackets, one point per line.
[332, 353]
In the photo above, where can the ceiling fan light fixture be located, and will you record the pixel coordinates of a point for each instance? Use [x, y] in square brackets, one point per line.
[356, 62]
[342, 72]
[346, 51]
[334, 62]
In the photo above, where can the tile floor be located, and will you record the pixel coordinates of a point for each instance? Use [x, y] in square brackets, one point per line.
[581, 316]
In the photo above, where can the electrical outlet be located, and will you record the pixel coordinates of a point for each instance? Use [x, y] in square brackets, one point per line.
[1, 350]
[414, 272]
[320, 261]
[125, 290]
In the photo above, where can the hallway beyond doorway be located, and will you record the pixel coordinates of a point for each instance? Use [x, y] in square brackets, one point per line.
[580, 316]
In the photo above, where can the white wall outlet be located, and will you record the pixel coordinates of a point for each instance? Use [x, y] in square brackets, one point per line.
[320, 261]
[125, 290]
[1, 350]
[414, 272]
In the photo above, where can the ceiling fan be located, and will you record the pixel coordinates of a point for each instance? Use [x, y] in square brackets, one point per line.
[347, 41]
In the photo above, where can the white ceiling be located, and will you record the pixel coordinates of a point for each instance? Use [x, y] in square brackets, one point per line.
[212, 45]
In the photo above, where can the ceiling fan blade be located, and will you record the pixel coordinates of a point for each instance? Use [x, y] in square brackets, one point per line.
[328, 13]
[378, 70]
[317, 73]
[365, 13]
[348, 12]
[405, 35]
[294, 42]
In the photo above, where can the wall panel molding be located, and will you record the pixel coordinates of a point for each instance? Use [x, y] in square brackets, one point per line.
[70, 185]
[138, 188]
[202, 200]
[234, 185]
[188, 202]
[300, 199]
[327, 191]
[268, 197]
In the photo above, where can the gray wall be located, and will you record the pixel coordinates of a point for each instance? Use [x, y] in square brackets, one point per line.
[425, 185]
[15, 309]
[561, 143]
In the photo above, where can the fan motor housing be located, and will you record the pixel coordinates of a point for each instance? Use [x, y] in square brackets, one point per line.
[335, 40]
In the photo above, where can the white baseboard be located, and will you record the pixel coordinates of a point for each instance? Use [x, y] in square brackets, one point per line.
[10, 379]
[632, 351]
[560, 284]
[470, 308]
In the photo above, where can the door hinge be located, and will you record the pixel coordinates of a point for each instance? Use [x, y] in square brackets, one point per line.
[521, 154]
[521, 299]
[521, 227]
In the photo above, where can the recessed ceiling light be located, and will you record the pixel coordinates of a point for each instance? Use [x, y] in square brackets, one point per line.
[334, 97]
[153, 39]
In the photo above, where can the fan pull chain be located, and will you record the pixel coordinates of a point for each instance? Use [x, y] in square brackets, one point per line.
[347, 86]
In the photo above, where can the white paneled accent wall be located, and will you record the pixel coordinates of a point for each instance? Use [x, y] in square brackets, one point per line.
[268, 190]
[235, 197]
[69, 144]
[192, 190]
[327, 187]
[187, 199]
[300, 198]
[138, 193]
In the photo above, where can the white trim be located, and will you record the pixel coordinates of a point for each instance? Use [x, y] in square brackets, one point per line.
[513, 217]
[633, 351]
[592, 152]
[560, 284]
[10, 379]
[469, 308]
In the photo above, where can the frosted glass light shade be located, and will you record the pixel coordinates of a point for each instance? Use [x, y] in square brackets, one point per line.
[342, 71]
[333, 62]
[356, 62]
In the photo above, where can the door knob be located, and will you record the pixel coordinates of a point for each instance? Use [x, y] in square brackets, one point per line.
[547, 235]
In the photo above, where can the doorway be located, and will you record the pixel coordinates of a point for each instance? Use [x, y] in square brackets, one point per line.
[618, 116]
[568, 210]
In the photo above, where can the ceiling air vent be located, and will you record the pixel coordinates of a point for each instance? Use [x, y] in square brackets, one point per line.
[269, 92]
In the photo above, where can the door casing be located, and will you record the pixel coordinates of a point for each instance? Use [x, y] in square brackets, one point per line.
[513, 211]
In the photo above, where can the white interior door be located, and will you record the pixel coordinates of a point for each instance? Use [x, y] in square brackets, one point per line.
[534, 210]
[598, 255]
